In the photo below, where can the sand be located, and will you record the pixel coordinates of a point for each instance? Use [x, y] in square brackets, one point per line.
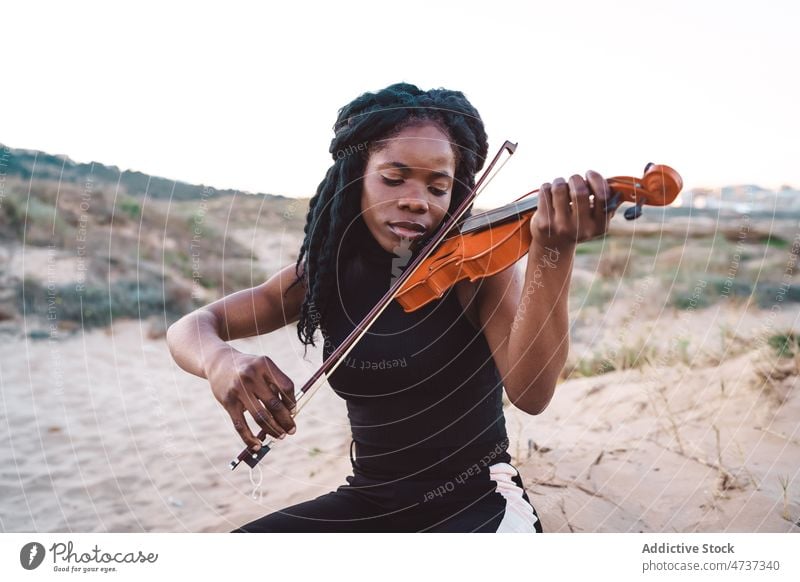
[102, 432]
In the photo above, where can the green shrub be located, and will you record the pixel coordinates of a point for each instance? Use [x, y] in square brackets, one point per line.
[131, 208]
[784, 344]
[95, 305]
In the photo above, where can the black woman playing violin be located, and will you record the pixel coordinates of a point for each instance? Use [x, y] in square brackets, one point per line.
[424, 388]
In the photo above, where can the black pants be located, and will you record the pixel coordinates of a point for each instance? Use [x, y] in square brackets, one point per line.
[481, 495]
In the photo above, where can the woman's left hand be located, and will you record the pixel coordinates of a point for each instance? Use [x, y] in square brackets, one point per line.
[566, 215]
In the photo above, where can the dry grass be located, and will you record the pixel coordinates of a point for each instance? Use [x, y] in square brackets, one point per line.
[774, 372]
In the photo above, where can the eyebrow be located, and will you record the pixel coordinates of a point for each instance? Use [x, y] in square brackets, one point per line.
[405, 168]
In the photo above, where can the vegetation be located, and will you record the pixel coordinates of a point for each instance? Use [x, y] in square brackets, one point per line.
[131, 256]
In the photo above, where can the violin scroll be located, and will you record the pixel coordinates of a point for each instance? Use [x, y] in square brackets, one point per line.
[659, 186]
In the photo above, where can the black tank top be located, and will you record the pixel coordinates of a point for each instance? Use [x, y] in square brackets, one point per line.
[425, 379]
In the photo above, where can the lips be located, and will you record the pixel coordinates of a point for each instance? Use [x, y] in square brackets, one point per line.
[408, 229]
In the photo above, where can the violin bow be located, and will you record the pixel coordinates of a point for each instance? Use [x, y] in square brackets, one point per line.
[329, 365]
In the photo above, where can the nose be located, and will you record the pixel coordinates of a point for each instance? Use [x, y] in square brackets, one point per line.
[413, 203]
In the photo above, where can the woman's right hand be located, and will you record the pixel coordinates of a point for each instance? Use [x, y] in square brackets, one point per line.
[253, 383]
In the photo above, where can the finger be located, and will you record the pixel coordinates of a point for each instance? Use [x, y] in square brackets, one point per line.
[604, 202]
[279, 412]
[599, 187]
[286, 392]
[260, 414]
[582, 212]
[265, 420]
[561, 199]
[545, 206]
[240, 425]
[283, 384]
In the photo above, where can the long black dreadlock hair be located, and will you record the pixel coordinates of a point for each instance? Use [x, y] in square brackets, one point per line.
[359, 129]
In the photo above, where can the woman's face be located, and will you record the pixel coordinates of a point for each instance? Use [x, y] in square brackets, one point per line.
[407, 186]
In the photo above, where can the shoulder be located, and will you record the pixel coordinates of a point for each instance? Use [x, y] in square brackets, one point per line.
[287, 289]
[484, 297]
[291, 274]
[260, 309]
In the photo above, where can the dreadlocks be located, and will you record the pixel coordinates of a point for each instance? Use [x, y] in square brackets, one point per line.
[359, 130]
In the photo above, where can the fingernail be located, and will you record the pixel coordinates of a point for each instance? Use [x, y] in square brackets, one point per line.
[293, 430]
[283, 435]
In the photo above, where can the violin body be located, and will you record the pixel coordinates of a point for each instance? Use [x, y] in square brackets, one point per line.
[489, 251]
[488, 243]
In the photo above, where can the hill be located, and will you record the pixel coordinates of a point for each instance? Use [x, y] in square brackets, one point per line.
[36, 165]
[78, 251]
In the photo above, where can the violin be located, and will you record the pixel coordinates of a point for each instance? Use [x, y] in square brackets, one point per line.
[473, 247]
[492, 241]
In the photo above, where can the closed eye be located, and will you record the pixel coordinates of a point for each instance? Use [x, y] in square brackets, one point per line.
[391, 182]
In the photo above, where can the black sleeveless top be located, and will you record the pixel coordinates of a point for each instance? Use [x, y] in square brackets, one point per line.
[421, 379]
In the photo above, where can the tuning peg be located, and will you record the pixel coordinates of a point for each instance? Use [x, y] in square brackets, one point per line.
[635, 212]
[613, 202]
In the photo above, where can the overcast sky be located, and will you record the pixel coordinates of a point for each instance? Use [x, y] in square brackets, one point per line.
[245, 97]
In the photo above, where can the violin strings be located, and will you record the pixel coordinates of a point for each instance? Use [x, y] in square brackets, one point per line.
[492, 176]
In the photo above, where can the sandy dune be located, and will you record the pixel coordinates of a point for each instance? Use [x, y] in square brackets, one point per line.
[103, 432]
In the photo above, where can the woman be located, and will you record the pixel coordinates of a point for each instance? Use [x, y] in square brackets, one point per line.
[423, 389]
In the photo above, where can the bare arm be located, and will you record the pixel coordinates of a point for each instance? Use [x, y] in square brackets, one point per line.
[243, 382]
[526, 319]
[197, 338]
